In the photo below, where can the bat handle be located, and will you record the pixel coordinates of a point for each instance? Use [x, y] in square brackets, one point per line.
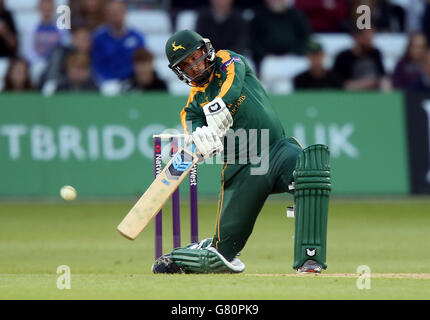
[188, 144]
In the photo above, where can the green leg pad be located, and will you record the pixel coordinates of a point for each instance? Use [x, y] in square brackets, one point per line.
[203, 258]
[197, 261]
[312, 189]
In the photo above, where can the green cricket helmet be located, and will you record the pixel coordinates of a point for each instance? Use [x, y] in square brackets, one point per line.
[182, 44]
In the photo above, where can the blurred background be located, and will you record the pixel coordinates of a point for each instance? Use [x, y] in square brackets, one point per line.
[78, 106]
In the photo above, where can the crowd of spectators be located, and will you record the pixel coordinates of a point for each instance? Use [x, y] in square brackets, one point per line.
[102, 53]
[98, 50]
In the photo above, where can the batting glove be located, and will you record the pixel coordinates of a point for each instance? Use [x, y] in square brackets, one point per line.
[218, 116]
[207, 142]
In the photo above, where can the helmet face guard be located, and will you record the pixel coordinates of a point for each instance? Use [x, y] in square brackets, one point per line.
[202, 78]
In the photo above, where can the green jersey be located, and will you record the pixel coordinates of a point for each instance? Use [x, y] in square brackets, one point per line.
[234, 81]
[271, 164]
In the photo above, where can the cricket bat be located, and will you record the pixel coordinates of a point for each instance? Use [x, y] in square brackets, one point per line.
[155, 197]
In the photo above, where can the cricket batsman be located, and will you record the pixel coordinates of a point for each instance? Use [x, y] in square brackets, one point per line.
[226, 100]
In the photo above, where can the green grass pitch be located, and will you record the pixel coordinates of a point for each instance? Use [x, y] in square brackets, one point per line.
[392, 237]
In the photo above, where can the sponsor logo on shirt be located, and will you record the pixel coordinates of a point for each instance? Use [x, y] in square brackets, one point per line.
[229, 62]
[233, 107]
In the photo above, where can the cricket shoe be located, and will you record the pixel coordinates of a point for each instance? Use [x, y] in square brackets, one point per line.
[165, 265]
[310, 266]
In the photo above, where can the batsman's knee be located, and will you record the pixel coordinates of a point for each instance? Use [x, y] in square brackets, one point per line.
[313, 169]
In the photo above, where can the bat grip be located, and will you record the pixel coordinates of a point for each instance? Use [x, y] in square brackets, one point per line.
[188, 142]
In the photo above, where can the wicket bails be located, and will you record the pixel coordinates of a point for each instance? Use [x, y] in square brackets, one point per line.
[175, 197]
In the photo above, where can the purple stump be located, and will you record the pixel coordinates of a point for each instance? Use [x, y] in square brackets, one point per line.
[176, 216]
[159, 218]
[194, 205]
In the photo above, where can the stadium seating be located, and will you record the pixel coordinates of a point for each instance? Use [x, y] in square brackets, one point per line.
[23, 21]
[392, 47]
[186, 19]
[161, 65]
[149, 22]
[21, 5]
[277, 72]
[177, 87]
[156, 43]
[27, 5]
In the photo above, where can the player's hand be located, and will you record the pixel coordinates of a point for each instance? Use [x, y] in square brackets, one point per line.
[218, 116]
[207, 142]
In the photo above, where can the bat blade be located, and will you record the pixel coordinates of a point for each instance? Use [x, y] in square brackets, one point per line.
[154, 198]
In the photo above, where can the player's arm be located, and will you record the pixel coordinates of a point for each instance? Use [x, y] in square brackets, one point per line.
[206, 140]
[192, 116]
[217, 114]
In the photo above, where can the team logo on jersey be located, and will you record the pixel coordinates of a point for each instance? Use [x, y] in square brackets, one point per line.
[175, 47]
[226, 64]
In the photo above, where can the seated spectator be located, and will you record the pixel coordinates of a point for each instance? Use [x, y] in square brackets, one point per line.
[317, 77]
[8, 39]
[278, 29]
[409, 68]
[223, 25]
[78, 74]
[326, 15]
[45, 36]
[81, 43]
[393, 15]
[361, 68]
[423, 82]
[17, 77]
[114, 45]
[145, 77]
[41, 40]
[88, 13]
[388, 16]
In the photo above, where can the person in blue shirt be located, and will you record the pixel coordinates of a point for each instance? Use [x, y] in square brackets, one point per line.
[114, 45]
[41, 39]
